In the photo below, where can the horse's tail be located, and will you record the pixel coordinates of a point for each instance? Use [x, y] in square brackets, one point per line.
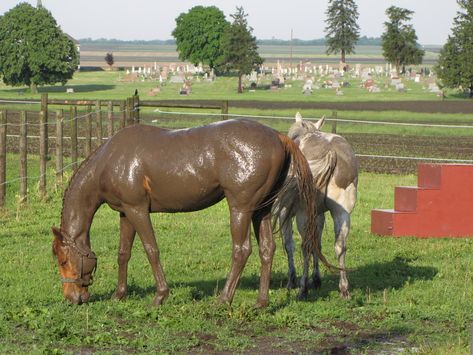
[302, 175]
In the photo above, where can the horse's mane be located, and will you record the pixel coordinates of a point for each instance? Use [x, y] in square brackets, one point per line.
[74, 177]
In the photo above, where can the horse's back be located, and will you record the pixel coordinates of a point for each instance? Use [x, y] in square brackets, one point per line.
[191, 169]
[315, 146]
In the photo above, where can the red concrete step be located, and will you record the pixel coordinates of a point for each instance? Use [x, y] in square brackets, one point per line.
[405, 198]
[442, 205]
[429, 176]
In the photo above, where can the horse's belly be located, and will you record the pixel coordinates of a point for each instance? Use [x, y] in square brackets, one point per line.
[186, 198]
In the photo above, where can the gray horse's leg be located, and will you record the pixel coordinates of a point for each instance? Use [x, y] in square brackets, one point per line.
[127, 236]
[240, 229]
[301, 220]
[140, 219]
[285, 224]
[316, 279]
[267, 247]
[341, 221]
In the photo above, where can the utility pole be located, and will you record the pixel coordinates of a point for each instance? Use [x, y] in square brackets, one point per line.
[291, 50]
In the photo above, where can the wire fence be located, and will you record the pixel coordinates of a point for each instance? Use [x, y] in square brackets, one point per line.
[88, 127]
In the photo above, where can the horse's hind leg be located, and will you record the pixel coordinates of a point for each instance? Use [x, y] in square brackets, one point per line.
[264, 232]
[140, 219]
[240, 229]
[301, 219]
[127, 236]
[341, 221]
[316, 279]
[285, 224]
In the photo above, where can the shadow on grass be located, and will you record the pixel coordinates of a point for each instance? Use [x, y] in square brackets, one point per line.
[375, 277]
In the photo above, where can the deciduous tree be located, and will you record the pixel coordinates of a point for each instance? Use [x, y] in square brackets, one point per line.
[342, 31]
[199, 35]
[455, 64]
[399, 41]
[240, 48]
[33, 49]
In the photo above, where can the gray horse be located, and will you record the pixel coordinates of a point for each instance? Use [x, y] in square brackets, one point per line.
[335, 170]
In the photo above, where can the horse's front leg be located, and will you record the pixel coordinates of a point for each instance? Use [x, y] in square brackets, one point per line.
[240, 229]
[140, 219]
[127, 236]
[263, 229]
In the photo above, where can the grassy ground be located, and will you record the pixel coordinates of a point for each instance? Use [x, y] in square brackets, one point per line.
[407, 293]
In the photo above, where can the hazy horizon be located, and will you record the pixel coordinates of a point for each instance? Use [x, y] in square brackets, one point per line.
[148, 20]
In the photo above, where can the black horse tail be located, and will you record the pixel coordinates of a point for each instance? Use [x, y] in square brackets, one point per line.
[300, 172]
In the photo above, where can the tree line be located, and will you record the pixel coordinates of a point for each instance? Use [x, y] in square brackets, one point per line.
[34, 50]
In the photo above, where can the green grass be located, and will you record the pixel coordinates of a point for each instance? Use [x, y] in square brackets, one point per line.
[406, 292]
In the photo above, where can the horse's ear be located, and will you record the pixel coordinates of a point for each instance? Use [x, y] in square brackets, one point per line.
[298, 117]
[319, 124]
[57, 233]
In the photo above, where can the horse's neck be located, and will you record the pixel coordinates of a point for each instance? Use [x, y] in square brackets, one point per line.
[81, 201]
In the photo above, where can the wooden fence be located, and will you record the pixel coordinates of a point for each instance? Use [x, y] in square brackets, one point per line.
[93, 122]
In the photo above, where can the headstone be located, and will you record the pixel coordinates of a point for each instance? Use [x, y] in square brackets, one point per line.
[396, 81]
[400, 87]
[368, 84]
[70, 90]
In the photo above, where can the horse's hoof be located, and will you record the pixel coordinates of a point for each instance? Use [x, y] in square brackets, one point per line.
[261, 304]
[223, 300]
[291, 284]
[119, 295]
[303, 294]
[345, 294]
[160, 297]
[316, 282]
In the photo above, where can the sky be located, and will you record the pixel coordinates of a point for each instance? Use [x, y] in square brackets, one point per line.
[155, 19]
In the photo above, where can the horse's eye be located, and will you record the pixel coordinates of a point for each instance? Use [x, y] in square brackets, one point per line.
[63, 263]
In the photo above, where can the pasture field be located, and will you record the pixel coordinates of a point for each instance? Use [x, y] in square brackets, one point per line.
[407, 294]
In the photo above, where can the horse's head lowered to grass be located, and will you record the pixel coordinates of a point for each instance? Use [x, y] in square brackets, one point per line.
[76, 266]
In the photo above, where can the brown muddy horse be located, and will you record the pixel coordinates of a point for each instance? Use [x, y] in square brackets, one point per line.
[144, 169]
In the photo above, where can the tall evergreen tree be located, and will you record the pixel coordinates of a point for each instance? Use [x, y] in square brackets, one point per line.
[240, 48]
[342, 31]
[399, 41]
[455, 64]
[33, 49]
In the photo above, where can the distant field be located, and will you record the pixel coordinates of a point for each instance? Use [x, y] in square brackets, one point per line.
[127, 55]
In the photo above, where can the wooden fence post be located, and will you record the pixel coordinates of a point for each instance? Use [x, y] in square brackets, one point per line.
[98, 121]
[110, 119]
[43, 151]
[224, 109]
[44, 108]
[59, 150]
[88, 132]
[136, 109]
[73, 117]
[23, 157]
[129, 111]
[334, 122]
[3, 156]
[123, 114]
